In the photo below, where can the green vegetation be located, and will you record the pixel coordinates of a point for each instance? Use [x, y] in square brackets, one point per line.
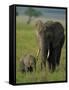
[32, 12]
[26, 42]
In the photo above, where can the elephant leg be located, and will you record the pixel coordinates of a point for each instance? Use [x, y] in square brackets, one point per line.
[53, 66]
[30, 69]
[59, 48]
[43, 63]
[26, 69]
[53, 59]
[49, 62]
[43, 60]
[58, 55]
[41, 66]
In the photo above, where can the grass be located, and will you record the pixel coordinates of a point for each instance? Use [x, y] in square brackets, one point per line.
[26, 42]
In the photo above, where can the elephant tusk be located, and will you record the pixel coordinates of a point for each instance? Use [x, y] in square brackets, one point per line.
[48, 54]
[38, 51]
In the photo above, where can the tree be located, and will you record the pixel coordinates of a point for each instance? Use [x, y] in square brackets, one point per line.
[32, 12]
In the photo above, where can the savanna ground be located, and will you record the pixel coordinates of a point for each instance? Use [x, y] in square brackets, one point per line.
[26, 42]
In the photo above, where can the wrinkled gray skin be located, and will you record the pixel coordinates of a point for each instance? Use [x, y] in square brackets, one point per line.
[27, 63]
[51, 39]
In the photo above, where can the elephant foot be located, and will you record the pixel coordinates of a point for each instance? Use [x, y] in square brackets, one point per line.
[53, 67]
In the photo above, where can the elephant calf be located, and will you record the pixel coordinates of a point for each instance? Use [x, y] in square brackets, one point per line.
[28, 63]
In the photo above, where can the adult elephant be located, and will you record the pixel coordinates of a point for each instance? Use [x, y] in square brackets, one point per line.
[51, 40]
